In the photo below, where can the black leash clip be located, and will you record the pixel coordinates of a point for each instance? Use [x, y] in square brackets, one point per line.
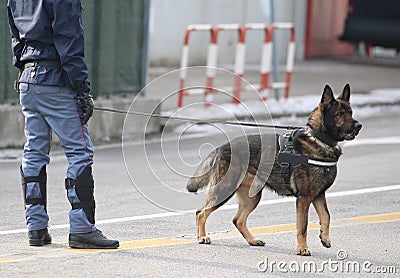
[16, 82]
[16, 86]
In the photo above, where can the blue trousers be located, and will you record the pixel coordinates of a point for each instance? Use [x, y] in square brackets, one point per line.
[48, 108]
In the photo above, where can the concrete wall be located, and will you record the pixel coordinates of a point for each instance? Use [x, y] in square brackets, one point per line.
[169, 18]
[102, 126]
[11, 126]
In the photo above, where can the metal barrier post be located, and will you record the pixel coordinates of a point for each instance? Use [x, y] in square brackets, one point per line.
[212, 57]
[185, 57]
[267, 57]
[240, 57]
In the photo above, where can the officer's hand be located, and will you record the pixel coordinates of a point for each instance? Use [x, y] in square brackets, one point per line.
[87, 105]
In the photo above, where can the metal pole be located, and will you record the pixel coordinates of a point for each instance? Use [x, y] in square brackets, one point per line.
[275, 73]
[95, 47]
[145, 44]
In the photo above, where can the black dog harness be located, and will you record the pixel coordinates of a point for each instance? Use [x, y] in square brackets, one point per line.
[288, 159]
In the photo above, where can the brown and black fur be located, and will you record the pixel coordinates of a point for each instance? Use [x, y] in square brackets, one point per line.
[248, 164]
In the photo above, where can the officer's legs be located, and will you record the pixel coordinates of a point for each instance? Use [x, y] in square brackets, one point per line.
[35, 159]
[62, 114]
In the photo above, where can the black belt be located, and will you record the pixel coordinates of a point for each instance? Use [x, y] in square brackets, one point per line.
[46, 63]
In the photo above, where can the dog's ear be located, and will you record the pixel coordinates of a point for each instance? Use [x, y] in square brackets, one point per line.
[327, 96]
[345, 95]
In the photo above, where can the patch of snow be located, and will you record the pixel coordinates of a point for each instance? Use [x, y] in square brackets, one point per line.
[372, 103]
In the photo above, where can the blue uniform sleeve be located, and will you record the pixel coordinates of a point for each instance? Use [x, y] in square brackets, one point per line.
[69, 42]
[16, 44]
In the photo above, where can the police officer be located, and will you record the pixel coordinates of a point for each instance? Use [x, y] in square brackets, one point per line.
[48, 48]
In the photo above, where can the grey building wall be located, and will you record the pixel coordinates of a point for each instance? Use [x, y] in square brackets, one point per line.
[169, 18]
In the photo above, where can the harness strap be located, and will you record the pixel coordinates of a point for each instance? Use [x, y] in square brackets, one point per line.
[46, 63]
[42, 180]
[83, 186]
[321, 163]
[70, 183]
[288, 159]
[84, 192]
[322, 137]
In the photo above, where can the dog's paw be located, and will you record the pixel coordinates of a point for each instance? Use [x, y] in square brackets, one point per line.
[257, 242]
[326, 242]
[205, 240]
[303, 252]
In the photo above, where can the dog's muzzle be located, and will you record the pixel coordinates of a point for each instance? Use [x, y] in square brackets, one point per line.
[354, 131]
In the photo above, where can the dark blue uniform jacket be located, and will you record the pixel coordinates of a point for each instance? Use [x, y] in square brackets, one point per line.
[49, 30]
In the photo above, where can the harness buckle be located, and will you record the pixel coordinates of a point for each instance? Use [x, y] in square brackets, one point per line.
[285, 173]
[284, 168]
[289, 146]
[70, 183]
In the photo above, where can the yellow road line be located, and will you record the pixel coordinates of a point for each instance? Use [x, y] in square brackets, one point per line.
[375, 218]
[262, 230]
[135, 244]
[279, 229]
[7, 260]
[152, 243]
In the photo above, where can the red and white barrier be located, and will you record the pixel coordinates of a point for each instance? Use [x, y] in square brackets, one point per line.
[266, 58]
[212, 57]
[240, 57]
[185, 57]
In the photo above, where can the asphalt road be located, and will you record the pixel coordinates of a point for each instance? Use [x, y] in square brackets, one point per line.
[137, 183]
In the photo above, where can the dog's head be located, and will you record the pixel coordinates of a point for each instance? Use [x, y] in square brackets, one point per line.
[334, 117]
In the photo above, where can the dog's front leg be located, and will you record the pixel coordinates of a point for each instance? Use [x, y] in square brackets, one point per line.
[302, 207]
[321, 207]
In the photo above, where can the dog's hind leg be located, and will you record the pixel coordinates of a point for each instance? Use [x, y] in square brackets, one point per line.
[201, 218]
[216, 197]
[221, 188]
[246, 206]
[321, 207]
[302, 207]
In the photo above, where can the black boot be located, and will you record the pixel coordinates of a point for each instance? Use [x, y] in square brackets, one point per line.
[92, 240]
[39, 237]
[84, 188]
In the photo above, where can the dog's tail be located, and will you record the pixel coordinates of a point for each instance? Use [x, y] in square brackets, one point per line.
[203, 174]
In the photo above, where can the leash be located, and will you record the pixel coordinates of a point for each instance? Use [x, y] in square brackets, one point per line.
[195, 121]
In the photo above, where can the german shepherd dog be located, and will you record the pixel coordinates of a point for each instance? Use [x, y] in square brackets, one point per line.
[247, 164]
